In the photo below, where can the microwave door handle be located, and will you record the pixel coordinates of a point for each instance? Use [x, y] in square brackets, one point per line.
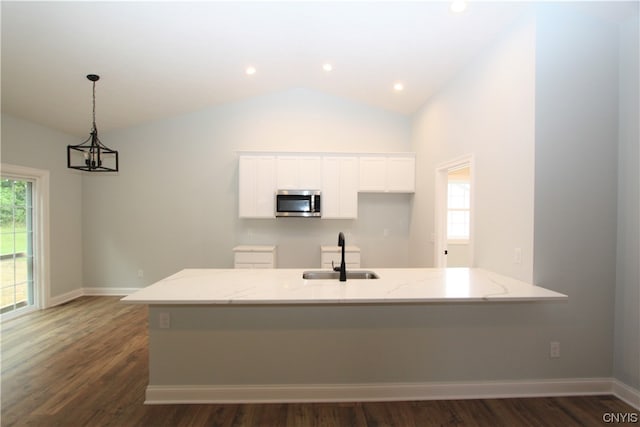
[313, 204]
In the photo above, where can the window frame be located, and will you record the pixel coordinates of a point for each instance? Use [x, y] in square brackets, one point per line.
[41, 248]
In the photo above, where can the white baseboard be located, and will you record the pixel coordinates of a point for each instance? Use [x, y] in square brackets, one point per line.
[61, 299]
[77, 293]
[626, 393]
[108, 291]
[156, 394]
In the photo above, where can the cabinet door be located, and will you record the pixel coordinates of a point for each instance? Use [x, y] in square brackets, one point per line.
[288, 173]
[310, 172]
[382, 174]
[299, 173]
[349, 187]
[340, 187]
[247, 187]
[401, 174]
[373, 174]
[266, 188]
[256, 187]
[331, 187]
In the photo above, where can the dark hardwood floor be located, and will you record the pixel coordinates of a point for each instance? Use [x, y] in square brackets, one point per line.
[84, 363]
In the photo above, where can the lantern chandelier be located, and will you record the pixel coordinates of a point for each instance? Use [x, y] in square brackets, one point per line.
[92, 155]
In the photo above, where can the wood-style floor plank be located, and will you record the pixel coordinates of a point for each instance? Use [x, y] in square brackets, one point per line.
[85, 363]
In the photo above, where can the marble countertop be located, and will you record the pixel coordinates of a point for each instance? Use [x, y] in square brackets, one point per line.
[286, 286]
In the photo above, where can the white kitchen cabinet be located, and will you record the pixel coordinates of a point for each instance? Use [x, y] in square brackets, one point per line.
[401, 174]
[339, 187]
[299, 172]
[254, 257]
[373, 174]
[387, 174]
[333, 253]
[256, 187]
[339, 176]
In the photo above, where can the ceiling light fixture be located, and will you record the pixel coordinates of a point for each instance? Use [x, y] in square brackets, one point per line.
[92, 155]
[458, 6]
[250, 71]
[398, 87]
[327, 67]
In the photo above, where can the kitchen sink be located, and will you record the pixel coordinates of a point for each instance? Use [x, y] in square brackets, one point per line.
[335, 275]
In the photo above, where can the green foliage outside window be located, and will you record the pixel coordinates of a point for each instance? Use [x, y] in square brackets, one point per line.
[15, 206]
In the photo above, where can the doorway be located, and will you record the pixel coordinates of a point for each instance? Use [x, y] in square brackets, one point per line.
[16, 244]
[23, 226]
[454, 213]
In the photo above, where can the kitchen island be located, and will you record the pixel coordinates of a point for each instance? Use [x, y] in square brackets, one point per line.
[226, 335]
[286, 286]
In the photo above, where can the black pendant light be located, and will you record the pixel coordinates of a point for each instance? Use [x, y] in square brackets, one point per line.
[92, 155]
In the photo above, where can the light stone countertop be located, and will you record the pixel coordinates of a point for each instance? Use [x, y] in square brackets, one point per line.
[286, 286]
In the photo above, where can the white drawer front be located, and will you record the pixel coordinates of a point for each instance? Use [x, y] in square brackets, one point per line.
[349, 258]
[242, 265]
[254, 257]
[263, 265]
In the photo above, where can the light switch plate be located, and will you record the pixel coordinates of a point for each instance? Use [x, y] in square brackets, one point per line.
[554, 349]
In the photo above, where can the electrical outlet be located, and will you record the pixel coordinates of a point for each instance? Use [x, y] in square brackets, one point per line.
[517, 256]
[554, 349]
[164, 320]
[140, 273]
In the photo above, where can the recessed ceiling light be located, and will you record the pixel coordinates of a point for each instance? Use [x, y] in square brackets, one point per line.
[458, 6]
[398, 87]
[327, 67]
[250, 71]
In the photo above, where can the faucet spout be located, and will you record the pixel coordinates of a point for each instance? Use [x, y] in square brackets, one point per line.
[343, 265]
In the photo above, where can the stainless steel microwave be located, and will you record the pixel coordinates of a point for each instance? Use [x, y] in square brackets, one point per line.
[302, 203]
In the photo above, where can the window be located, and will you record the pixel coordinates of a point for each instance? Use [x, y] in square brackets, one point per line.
[458, 210]
[16, 245]
[24, 243]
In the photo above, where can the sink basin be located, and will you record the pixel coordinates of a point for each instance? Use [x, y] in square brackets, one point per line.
[335, 275]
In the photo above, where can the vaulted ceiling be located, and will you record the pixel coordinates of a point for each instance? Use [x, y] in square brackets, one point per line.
[161, 59]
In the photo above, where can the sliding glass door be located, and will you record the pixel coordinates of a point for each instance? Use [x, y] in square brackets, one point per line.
[16, 245]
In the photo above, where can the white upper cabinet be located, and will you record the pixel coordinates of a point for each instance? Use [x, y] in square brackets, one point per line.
[401, 174]
[299, 173]
[257, 187]
[339, 176]
[387, 174]
[373, 174]
[339, 187]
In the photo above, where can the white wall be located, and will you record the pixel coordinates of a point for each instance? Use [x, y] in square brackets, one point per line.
[487, 111]
[31, 145]
[541, 105]
[627, 303]
[458, 254]
[174, 202]
[575, 180]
